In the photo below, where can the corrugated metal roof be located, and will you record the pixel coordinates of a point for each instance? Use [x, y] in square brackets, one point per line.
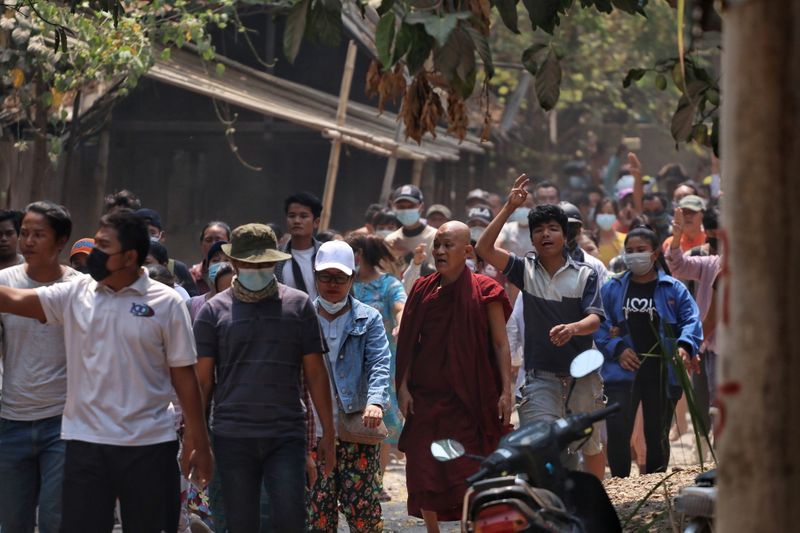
[273, 96]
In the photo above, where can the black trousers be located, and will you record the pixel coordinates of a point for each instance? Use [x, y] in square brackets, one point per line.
[657, 411]
[145, 479]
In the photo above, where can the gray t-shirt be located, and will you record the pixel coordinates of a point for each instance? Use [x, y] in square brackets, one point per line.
[258, 351]
[34, 357]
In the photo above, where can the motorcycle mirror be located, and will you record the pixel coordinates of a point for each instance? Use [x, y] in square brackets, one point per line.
[585, 363]
[447, 449]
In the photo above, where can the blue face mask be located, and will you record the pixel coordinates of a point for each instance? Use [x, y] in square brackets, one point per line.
[605, 221]
[407, 217]
[255, 279]
[520, 215]
[213, 270]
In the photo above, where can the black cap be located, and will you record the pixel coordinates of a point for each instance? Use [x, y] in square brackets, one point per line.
[481, 214]
[408, 192]
[151, 216]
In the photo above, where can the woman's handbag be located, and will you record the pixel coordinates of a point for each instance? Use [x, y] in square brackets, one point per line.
[351, 428]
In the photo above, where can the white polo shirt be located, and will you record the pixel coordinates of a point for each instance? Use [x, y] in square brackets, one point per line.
[120, 347]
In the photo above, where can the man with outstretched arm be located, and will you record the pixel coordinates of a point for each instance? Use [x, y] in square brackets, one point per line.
[562, 308]
[129, 349]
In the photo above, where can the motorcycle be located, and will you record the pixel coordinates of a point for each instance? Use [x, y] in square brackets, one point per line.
[696, 504]
[523, 485]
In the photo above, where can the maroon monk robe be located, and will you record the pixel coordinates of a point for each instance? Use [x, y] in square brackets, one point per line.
[455, 384]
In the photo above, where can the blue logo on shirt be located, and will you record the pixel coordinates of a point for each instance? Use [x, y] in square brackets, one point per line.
[142, 310]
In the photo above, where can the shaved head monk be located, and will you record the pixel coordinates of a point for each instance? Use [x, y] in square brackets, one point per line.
[453, 375]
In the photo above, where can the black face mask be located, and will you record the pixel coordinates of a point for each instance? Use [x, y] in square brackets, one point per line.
[97, 264]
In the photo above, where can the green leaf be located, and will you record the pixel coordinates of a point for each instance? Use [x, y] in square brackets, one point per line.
[630, 6]
[712, 95]
[544, 14]
[385, 7]
[634, 74]
[384, 36]
[166, 53]
[220, 69]
[324, 24]
[548, 82]
[420, 50]
[482, 47]
[295, 29]
[438, 27]
[508, 12]
[661, 82]
[456, 62]
[683, 120]
[529, 57]
[603, 6]
[402, 42]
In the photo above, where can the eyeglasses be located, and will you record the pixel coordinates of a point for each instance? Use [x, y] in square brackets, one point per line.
[339, 279]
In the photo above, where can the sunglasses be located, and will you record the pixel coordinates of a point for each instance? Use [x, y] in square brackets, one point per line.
[339, 279]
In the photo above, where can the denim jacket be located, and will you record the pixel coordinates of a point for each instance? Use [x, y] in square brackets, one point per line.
[360, 373]
[676, 308]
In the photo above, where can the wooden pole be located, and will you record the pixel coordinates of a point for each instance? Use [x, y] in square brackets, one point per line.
[391, 166]
[759, 471]
[336, 144]
[416, 173]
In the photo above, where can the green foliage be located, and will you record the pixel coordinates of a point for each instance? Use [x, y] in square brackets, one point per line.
[51, 52]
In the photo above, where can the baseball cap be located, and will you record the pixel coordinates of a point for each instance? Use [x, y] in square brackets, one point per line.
[477, 194]
[479, 214]
[82, 246]
[151, 216]
[439, 208]
[254, 243]
[408, 192]
[693, 203]
[335, 254]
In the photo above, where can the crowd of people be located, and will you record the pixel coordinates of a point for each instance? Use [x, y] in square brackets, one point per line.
[307, 360]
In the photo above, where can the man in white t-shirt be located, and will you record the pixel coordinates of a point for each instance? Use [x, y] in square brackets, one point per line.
[302, 220]
[129, 350]
[31, 449]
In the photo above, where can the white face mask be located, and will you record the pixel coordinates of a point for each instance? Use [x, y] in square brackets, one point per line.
[639, 263]
[476, 232]
[331, 308]
[383, 233]
[605, 221]
[520, 216]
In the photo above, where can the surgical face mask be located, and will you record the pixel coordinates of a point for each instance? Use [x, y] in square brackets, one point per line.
[605, 221]
[471, 265]
[383, 233]
[520, 216]
[331, 308]
[97, 264]
[213, 270]
[407, 217]
[476, 232]
[255, 279]
[639, 263]
[155, 238]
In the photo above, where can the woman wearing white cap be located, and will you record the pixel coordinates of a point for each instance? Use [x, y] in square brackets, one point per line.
[358, 363]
